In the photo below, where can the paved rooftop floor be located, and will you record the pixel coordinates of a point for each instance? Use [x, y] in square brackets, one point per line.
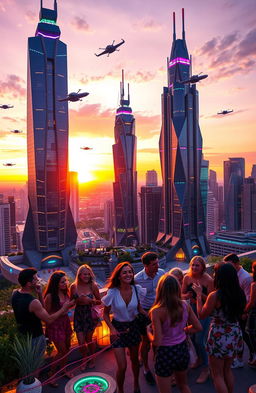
[105, 362]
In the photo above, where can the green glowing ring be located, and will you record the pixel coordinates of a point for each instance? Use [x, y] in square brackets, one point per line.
[82, 383]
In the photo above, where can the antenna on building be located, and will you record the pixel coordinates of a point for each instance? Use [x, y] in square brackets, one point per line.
[183, 25]
[174, 26]
[168, 75]
[190, 68]
[128, 93]
[55, 5]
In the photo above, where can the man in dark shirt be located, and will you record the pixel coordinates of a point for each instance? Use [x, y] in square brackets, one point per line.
[29, 311]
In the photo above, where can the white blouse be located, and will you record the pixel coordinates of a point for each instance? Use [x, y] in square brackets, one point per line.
[121, 311]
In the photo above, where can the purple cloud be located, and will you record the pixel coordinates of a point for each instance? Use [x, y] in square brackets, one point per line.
[13, 86]
[80, 24]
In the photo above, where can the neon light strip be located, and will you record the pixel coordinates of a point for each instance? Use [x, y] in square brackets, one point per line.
[48, 35]
[183, 148]
[171, 85]
[199, 148]
[49, 21]
[36, 51]
[180, 60]
[124, 113]
[185, 225]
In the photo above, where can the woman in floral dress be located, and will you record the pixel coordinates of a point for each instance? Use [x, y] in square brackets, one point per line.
[225, 304]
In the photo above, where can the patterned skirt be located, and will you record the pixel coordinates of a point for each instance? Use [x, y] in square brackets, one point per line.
[83, 321]
[224, 340]
[129, 336]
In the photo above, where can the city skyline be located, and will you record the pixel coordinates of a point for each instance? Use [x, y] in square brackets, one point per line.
[225, 50]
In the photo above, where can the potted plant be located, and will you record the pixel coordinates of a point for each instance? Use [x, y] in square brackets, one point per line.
[28, 358]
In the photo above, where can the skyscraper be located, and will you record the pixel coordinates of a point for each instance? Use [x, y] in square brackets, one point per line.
[151, 178]
[74, 195]
[234, 171]
[182, 222]
[109, 218]
[125, 185]
[11, 202]
[49, 233]
[150, 198]
[248, 204]
[5, 229]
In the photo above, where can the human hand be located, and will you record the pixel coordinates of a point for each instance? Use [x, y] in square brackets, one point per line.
[197, 288]
[68, 304]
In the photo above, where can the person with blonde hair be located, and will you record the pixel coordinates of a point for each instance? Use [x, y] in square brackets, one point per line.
[123, 300]
[85, 291]
[197, 275]
[172, 318]
[178, 274]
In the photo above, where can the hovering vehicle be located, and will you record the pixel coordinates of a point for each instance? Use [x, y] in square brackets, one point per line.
[9, 164]
[74, 96]
[86, 148]
[5, 106]
[16, 131]
[110, 48]
[194, 78]
[225, 112]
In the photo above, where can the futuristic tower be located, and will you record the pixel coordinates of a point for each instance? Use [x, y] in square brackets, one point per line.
[49, 233]
[182, 218]
[125, 185]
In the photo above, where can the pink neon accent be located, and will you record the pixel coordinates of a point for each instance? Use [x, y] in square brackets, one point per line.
[199, 148]
[124, 113]
[199, 222]
[183, 148]
[180, 60]
[211, 233]
[87, 388]
[171, 85]
[185, 225]
[48, 35]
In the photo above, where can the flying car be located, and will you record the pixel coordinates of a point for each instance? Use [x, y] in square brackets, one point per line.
[5, 106]
[86, 148]
[74, 96]
[194, 78]
[110, 48]
[9, 164]
[225, 112]
[16, 131]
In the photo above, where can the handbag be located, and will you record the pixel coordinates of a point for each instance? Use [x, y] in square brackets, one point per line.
[142, 320]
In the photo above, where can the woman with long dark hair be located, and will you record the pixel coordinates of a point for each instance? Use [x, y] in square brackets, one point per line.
[122, 299]
[84, 289]
[172, 319]
[197, 274]
[226, 305]
[59, 332]
[251, 320]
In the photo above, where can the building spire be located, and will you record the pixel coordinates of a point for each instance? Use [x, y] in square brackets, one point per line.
[122, 99]
[183, 25]
[174, 26]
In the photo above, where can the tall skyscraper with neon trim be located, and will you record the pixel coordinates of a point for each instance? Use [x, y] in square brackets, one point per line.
[125, 185]
[49, 233]
[182, 223]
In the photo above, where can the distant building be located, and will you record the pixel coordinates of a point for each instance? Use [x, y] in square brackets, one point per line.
[221, 205]
[150, 211]
[213, 185]
[249, 204]
[225, 242]
[49, 234]
[126, 231]
[5, 229]
[212, 224]
[109, 218]
[11, 202]
[74, 195]
[151, 178]
[182, 227]
[234, 171]
[253, 174]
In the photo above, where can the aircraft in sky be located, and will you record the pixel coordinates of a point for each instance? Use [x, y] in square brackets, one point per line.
[85, 148]
[6, 106]
[16, 131]
[225, 112]
[74, 96]
[9, 164]
[194, 78]
[110, 48]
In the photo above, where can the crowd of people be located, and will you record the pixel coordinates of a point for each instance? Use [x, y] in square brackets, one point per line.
[187, 320]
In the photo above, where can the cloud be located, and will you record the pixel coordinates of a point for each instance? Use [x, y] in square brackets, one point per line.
[137, 76]
[13, 87]
[11, 119]
[147, 25]
[230, 55]
[31, 16]
[80, 24]
[94, 121]
[149, 150]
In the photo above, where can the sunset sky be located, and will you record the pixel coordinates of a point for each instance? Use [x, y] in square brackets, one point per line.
[220, 35]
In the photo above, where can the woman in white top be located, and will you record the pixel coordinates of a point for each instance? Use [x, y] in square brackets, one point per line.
[122, 300]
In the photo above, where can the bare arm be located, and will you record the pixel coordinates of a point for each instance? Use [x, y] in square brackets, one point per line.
[106, 317]
[186, 295]
[48, 303]
[41, 313]
[96, 294]
[252, 299]
[194, 325]
[205, 310]
[157, 326]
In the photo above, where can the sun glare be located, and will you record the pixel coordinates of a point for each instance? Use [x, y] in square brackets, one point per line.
[84, 177]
